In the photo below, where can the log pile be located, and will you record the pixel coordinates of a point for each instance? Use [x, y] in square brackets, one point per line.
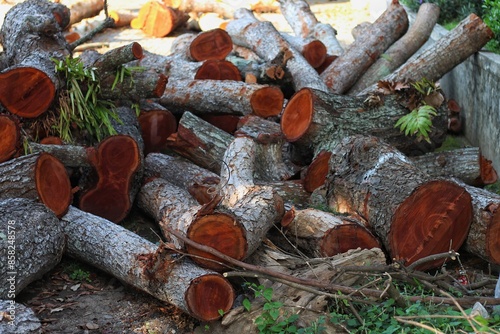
[223, 155]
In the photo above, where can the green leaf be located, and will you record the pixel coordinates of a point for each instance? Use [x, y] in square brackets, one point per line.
[246, 304]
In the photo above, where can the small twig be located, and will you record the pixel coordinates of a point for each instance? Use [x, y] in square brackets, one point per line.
[451, 255]
[107, 23]
[418, 324]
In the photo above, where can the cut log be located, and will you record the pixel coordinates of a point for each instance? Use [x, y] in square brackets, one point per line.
[313, 50]
[72, 156]
[81, 10]
[222, 97]
[344, 71]
[200, 142]
[323, 234]
[18, 318]
[399, 52]
[482, 239]
[223, 8]
[156, 127]
[10, 137]
[37, 176]
[267, 43]
[117, 161]
[28, 87]
[467, 38]
[465, 164]
[33, 243]
[153, 269]
[51, 140]
[214, 44]
[114, 58]
[315, 174]
[413, 215]
[157, 20]
[218, 70]
[227, 123]
[122, 18]
[257, 71]
[305, 24]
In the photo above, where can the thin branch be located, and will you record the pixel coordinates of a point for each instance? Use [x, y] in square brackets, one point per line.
[451, 255]
[107, 23]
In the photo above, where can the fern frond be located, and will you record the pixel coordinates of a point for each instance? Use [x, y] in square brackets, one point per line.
[418, 122]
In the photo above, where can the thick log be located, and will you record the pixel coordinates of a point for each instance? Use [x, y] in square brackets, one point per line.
[153, 269]
[482, 239]
[10, 137]
[344, 71]
[222, 97]
[29, 85]
[323, 234]
[267, 43]
[18, 318]
[313, 50]
[468, 37]
[399, 52]
[156, 126]
[305, 24]
[117, 162]
[157, 20]
[413, 215]
[200, 142]
[33, 243]
[37, 176]
[114, 58]
[72, 156]
[214, 44]
[465, 164]
[218, 70]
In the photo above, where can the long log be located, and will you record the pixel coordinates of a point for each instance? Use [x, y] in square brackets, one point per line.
[344, 71]
[468, 37]
[33, 243]
[153, 269]
[37, 176]
[413, 215]
[29, 86]
[267, 43]
[222, 97]
[399, 52]
[10, 134]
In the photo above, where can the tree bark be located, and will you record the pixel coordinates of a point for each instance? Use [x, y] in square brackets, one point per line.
[267, 43]
[10, 132]
[19, 319]
[344, 71]
[222, 97]
[157, 20]
[399, 52]
[323, 234]
[33, 244]
[153, 269]
[413, 215]
[41, 177]
[466, 164]
[468, 37]
[29, 85]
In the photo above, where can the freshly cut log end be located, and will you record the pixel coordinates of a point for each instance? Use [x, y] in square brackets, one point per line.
[53, 184]
[221, 232]
[267, 101]
[492, 239]
[228, 123]
[117, 160]
[297, 115]
[434, 219]
[345, 237]
[315, 53]
[209, 294]
[156, 127]
[317, 171]
[218, 70]
[33, 94]
[488, 172]
[10, 134]
[161, 83]
[51, 140]
[214, 44]
[328, 60]
[157, 20]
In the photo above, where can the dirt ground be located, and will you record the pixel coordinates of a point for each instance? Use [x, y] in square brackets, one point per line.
[76, 298]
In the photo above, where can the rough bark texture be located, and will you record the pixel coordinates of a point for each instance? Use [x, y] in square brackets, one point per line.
[37, 176]
[323, 234]
[344, 71]
[32, 244]
[69, 155]
[30, 43]
[468, 37]
[267, 43]
[399, 52]
[413, 215]
[153, 269]
[222, 96]
[466, 164]
[18, 319]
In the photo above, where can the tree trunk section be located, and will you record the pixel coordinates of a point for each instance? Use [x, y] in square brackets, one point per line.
[413, 215]
[10, 132]
[156, 126]
[37, 176]
[313, 50]
[344, 71]
[157, 20]
[153, 269]
[267, 43]
[323, 234]
[214, 44]
[467, 38]
[402, 49]
[33, 244]
[222, 97]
